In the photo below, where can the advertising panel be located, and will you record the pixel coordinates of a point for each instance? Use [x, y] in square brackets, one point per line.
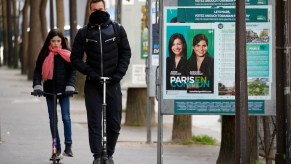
[199, 56]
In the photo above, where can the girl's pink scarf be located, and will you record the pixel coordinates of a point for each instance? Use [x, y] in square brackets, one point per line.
[48, 64]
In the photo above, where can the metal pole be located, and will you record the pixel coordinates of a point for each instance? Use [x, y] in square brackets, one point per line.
[55, 124]
[148, 69]
[280, 108]
[287, 79]
[118, 8]
[160, 116]
[52, 25]
[242, 154]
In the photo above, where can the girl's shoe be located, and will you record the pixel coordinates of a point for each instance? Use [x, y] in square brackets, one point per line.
[68, 151]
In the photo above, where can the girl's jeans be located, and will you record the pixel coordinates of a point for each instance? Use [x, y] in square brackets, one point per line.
[64, 102]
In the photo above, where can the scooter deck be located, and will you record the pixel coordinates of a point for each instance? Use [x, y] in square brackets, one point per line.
[56, 159]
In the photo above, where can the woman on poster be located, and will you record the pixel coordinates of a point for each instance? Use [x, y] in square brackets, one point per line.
[176, 63]
[201, 67]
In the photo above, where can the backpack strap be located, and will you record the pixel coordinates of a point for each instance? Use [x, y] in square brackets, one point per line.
[84, 34]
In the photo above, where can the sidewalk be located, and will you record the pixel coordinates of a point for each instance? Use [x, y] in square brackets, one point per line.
[25, 136]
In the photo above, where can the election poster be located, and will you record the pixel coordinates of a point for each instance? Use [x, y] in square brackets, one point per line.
[199, 56]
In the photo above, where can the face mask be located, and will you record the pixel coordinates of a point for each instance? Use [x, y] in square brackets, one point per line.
[98, 17]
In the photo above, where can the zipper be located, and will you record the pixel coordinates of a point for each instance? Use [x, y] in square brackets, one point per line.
[113, 39]
[91, 40]
[101, 50]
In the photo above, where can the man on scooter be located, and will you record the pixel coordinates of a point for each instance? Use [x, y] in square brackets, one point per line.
[108, 55]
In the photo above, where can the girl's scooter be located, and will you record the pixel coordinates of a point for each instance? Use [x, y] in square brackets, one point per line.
[55, 158]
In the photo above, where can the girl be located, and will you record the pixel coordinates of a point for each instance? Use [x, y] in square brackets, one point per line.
[54, 69]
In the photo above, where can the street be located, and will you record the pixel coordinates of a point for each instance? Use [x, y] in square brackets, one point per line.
[25, 137]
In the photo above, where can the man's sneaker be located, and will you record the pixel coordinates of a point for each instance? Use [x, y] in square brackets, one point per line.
[58, 155]
[96, 161]
[68, 151]
[110, 160]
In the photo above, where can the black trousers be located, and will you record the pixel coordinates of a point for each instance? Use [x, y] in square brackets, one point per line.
[93, 101]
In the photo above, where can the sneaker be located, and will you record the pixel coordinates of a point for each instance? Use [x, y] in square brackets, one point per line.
[96, 161]
[110, 160]
[68, 151]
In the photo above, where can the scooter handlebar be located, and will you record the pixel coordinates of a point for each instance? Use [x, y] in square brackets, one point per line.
[105, 79]
[52, 94]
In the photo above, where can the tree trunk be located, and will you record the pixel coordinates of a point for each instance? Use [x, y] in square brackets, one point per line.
[15, 57]
[80, 82]
[227, 147]
[253, 127]
[35, 41]
[73, 20]
[136, 107]
[5, 29]
[86, 19]
[153, 112]
[24, 43]
[182, 127]
[43, 18]
[60, 15]
[268, 139]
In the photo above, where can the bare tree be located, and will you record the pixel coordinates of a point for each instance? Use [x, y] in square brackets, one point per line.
[182, 127]
[135, 112]
[5, 29]
[73, 20]
[24, 43]
[16, 14]
[43, 18]
[227, 147]
[9, 34]
[136, 107]
[86, 19]
[35, 40]
[60, 15]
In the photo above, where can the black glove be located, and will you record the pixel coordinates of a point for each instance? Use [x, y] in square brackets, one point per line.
[37, 91]
[114, 79]
[69, 91]
[94, 77]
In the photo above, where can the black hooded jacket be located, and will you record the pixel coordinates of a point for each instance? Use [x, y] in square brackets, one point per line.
[104, 54]
[64, 75]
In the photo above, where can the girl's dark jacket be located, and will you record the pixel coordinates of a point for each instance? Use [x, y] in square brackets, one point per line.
[104, 54]
[64, 75]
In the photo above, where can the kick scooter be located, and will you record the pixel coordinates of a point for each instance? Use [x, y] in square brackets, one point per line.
[55, 158]
[104, 157]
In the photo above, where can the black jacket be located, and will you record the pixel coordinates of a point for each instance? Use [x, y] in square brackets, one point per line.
[206, 68]
[181, 70]
[64, 75]
[104, 54]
